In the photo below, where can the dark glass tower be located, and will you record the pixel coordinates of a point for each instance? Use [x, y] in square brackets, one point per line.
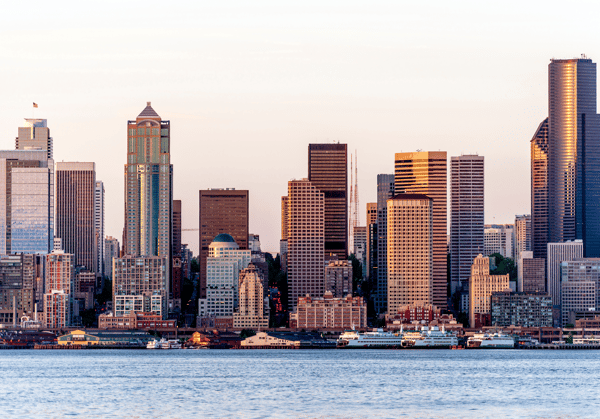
[539, 190]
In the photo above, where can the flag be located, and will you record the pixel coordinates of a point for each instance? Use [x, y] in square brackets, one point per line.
[35, 105]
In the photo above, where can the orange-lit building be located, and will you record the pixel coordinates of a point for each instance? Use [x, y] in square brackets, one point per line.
[329, 313]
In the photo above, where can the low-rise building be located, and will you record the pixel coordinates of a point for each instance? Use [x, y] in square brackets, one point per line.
[88, 338]
[416, 312]
[521, 309]
[329, 313]
[132, 321]
[286, 340]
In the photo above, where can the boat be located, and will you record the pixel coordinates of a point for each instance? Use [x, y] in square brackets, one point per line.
[164, 344]
[496, 340]
[430, 338]
[374, 339]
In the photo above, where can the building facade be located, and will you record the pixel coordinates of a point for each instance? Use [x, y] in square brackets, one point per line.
[385, 190]
[60, 289]
[539, 191]
[521, 309]
[522, 236]
[371, 260]
[111, 250]
[580, 286]
[481, 287]
[426, 173]
[17, 287]
[35, 135]
[329, 312]
[499, 238]
[409, 251]
[99, 224]
[558, 253]
[338, 278]
[253, 309]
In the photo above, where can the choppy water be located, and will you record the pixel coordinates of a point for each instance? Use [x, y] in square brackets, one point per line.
[302, 384]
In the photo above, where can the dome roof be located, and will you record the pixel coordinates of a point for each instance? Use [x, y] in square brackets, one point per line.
[223, 238]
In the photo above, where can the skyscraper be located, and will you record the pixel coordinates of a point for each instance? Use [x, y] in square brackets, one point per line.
[466, 215]
[558, 253]
[222, 211]
[539, 191]
[148, 186]
[371, 241]
[426, 173]
[522, 235]
[176, 254]
[35, 135]
[99, 223]
[75, 212]
[573, 154]
[26, 202]
[409, 251]
[306, 241]
[385, 190]
[328, 172]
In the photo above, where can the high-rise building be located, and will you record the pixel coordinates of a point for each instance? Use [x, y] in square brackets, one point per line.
[466, 215]
[481, 287]
[111, 250]
[558, 253]
[35, 135]
[75, 212]
[534, 274]
[17, 287]
[222, 211]
[409, 251]
[371, 260]
[148, 186]
[306, 241]
[385, 190]
[253, 311]
[580, 286]
[360, 247]
[573, 154]
[176, 254]
[425, 172]
[338, 278]
[522, 235]
[26, 202]
[99, 224]
[499, 238]
[539, 191]
[328, 172]
[60, 289]
[284, 217]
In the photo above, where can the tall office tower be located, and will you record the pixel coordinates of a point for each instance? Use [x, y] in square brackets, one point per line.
[539, 191]
[140, 285]
[60, 289]
[466, 216]
[580, 287]
[223, 265]
[26, 202]
[481, 287]
[409, 251]
[328, 172]
[360, 247]
[35, 135]
[99, 224]
[574, 154]
[17, 287]
[148, 186]
[176, 254]
[499, 238]
[222, 211]
[75, 212]
[522, 235]
[253, 312]
[306, 241]
[425, 173]
[558, 253]
[284, 217]
[385, 190]
[111, 251]
[371, 260]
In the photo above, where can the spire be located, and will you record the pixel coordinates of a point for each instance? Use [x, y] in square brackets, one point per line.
[148, 112]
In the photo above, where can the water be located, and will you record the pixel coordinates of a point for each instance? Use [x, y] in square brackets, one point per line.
[299, 384]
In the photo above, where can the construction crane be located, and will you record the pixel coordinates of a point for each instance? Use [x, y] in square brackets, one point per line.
[354, 218]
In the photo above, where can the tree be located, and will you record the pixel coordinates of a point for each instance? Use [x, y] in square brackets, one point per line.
[195, 265]
[504, 266]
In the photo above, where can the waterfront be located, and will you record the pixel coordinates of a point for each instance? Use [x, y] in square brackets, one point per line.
[304, 384]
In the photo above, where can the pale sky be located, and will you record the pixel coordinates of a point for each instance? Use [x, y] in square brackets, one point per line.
[248, 85]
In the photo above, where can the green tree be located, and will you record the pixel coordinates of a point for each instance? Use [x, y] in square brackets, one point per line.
[504, 266]
[195, 265]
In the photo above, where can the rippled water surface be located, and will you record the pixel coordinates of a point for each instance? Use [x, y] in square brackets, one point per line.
[300, 384]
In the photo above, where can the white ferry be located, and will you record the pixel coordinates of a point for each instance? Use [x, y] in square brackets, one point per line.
[491, 341]
[378, 338]
[163, 344]
[430, 338]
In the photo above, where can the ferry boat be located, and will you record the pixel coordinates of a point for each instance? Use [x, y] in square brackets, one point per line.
[163, 344]
[430, 338]
[378, 338]
[491, 341]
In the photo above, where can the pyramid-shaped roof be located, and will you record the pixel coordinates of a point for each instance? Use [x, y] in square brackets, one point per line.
[148, 112]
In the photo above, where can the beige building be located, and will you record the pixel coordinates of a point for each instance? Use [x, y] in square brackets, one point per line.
[481, 287]
[338, 274]
[253, 306]
[329, 313]
[306, 240]
[60, 289]
[35, 135]
[409, 250]
[263, 340]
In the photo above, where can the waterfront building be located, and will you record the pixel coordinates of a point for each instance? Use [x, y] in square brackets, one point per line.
[99, 225]
[425, 173]
[306, 241]
[329, 312]
[499, 238]
[140, 285]
[328, 173]
[574, 156]
[57, 310]
[35, 135]
[75, 212]
[522, 309]
[385, 190]
[222, 211]
[59, 289]
[133, 321]
[223, 265]
[539, 191]
[522, 235]
[27, 193]
[409, 250]
[17, 287]
[111, 251]
[466, 215]
[253, 311]
[558, 253]
[414, 313]
[338, 278]
[580, 286]
[148, 187]
[481, 287]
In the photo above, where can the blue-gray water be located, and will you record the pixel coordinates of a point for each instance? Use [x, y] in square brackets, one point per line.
[303, 384]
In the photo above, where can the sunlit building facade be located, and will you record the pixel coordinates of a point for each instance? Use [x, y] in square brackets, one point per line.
[539, 190]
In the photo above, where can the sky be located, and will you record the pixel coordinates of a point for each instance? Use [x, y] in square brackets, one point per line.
[248, 85]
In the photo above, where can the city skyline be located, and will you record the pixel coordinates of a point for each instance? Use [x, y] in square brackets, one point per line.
[373, 77]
